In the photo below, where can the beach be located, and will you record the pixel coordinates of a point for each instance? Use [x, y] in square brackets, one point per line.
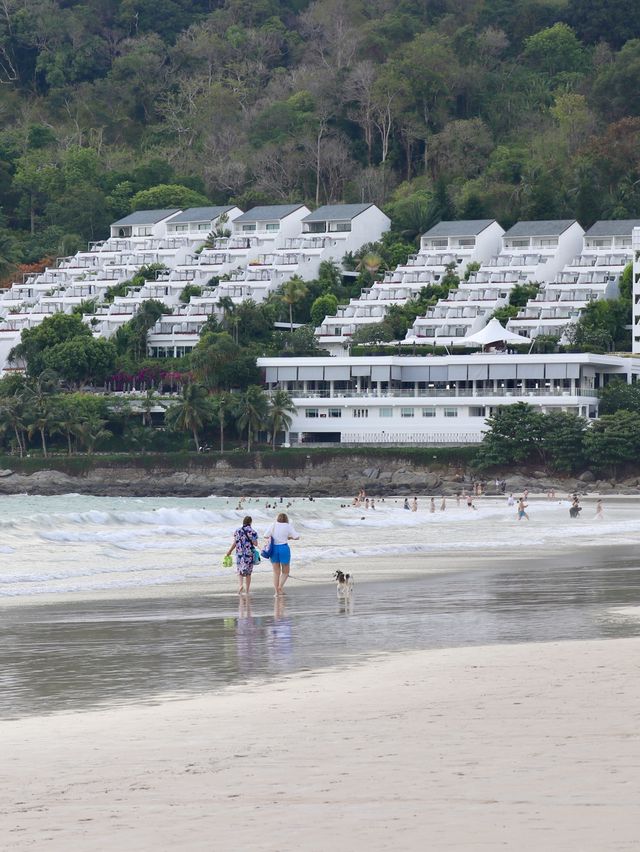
[478, 691]
[522, 747]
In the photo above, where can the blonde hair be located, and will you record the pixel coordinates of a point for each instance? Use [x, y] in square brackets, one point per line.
[282, 518]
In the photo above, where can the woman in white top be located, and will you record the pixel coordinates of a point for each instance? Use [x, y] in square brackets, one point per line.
[280, 532]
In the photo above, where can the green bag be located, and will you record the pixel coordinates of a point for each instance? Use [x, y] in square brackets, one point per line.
[227, 562]
[256, 556]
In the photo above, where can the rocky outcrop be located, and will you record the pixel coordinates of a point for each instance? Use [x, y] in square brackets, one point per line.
[342, 476]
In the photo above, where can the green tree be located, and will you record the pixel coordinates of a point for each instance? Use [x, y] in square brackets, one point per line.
[613, 440]
[323, 306]
[34, 342]
[281, 408]
[563, 440]
[40, 406]
[617, 396]
[252, 410]
[192, 413]
[223, 409]
[555, 49]
[292, 292]
[81, 360]
[213, 352]
[166, 196]
[514, 436]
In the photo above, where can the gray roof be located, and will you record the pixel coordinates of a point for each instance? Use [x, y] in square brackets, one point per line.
[274, 211]
[540, 228]
[331, 212]
[201, 214]
[464, 228]
[145, 217]
[613, 228]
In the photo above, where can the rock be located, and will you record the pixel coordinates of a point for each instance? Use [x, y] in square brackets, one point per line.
[371, 472]
[6, 472]
[587, 476]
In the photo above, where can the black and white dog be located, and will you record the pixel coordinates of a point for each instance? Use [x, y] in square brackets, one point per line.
[344, 584]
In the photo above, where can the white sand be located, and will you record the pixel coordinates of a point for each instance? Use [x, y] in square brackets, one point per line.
[532, 747]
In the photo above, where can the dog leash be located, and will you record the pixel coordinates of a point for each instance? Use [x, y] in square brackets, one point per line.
[304, 580]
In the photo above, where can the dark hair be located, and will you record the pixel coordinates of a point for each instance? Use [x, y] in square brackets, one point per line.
[247, 521]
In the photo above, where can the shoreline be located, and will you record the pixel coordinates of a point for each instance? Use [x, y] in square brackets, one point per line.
[478, 746]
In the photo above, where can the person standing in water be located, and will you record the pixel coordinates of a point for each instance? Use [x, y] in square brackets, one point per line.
[443, 503]
[599, 511]
[432, 505]
[280, 532]
[244, 540]
[414, 505]
[522, 509]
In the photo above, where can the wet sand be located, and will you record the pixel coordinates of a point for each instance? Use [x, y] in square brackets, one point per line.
[523, 747]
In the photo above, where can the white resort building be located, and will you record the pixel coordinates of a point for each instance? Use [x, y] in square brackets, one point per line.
[593, 274]
[432, 400]
[529, 252]
[447, 244]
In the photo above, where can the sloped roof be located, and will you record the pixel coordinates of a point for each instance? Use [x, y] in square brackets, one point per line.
[462, 228]
[145, 217]
[274, 211]
[201, 214]
[613, 228]
[540, 228]
[336, 211]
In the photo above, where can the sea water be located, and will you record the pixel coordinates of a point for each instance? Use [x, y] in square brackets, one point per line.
[74, 546]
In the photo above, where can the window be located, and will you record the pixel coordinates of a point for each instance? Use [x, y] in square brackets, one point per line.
[311, 412]
[340, 226]
[361, 412]
[439, 243]
[145, 231]
[181, 228]
[202, 226]
[272, 226]
[316, 227]
[476, 411]
[519, 243]
[451, 412]
[406, 412]
[429, 412]
[549, 242]
[466, 243]
[247, 228]
[386, 412]
[335, 412]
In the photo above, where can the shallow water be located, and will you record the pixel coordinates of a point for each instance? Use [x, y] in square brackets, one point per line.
[78, 547]
[76, 655]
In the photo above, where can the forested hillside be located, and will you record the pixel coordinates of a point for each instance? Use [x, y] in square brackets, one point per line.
[431, 108]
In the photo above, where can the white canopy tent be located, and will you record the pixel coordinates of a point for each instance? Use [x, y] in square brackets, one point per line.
[493, 332]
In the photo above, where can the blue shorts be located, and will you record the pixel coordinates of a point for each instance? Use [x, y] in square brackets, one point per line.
[281, 553]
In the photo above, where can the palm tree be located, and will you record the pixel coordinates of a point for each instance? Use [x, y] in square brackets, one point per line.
[281, 408]
[40, 405]
[65, 421]
[222, 407]
[91, 431]
[192, 412]
[252, 411]
[12, 416]
[293, 291]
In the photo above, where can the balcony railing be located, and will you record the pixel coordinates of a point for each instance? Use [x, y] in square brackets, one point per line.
[441, 393]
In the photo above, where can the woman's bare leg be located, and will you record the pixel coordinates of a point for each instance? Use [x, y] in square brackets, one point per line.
[284, 577]
[247, 583]
[276, 576]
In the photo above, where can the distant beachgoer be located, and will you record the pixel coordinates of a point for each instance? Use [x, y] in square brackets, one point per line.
[511, 500]
[458, 499]
[599, 510]
[443, 503]
[406, 504]
[432, 505]
[366, 503]
[414, 505]
[576, 508]
[373, 504]
[525, 494]
[280, 532]
[503, 486]
[522, 506]
[244, 540]
[470, 502]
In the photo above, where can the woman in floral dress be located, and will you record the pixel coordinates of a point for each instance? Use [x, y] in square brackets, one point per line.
[244, 540]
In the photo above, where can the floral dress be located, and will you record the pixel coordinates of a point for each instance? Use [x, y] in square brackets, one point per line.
[245, 538]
